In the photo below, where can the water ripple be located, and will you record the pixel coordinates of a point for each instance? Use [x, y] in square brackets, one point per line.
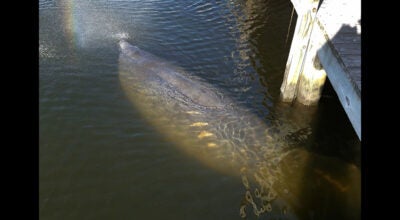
[97, 154]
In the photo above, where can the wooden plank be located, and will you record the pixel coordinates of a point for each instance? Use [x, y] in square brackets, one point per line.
[343, 15]
[342, 84]
[345, 38]
[339, 22]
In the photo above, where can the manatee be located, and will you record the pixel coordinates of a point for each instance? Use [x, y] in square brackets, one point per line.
[207, 124]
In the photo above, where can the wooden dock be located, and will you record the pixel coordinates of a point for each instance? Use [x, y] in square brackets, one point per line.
[326, 42]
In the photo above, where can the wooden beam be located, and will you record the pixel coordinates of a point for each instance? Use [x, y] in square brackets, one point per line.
[346, 91]
[313, 75]
[303, 6]
[339, 22]
[306, 11]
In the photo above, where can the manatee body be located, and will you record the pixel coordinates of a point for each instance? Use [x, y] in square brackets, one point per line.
[193, 114]
[208, 126]
[155, 68]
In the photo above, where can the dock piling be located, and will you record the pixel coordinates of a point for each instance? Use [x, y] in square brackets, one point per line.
[326, 43]
[306, 11]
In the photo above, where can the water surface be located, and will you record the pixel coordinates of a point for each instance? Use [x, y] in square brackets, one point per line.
[99, 158]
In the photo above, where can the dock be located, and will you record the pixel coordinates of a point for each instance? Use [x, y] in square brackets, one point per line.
[326, 43]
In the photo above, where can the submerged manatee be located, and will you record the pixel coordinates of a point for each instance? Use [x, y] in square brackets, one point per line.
[208, 125]
[194, 114]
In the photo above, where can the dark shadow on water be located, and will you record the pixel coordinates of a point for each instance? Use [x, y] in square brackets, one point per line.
[331, 183]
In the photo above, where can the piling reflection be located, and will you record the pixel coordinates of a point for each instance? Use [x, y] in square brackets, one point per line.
[208, 125]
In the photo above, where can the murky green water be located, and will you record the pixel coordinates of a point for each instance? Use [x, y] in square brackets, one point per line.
[101, 159]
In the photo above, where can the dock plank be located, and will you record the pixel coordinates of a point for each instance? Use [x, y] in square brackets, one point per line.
[340, 23]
